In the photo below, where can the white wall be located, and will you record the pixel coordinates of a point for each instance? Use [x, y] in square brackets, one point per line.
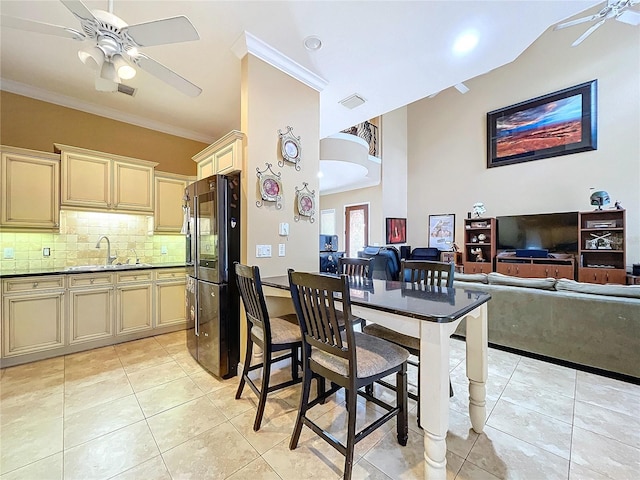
[447, 137]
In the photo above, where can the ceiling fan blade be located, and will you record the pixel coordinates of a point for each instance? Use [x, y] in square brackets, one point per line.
[79, 9]
[578, 21]
[160, 32]
[591, 29]
[630, 17]
[38, 27]
[168, 76]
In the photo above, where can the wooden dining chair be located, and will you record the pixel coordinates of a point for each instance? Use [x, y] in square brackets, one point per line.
[348, 359]
[272, 335]
[356, 267]
[438, 274]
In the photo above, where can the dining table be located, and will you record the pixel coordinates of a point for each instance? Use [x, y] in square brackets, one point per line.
[431, 314]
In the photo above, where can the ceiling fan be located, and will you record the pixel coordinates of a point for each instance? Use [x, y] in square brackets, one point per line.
[114, 52]
[618, 9]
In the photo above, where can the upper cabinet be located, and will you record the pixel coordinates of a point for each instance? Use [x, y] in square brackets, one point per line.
[99, 181]
[169, 199]
[30, 189]
[223, 156]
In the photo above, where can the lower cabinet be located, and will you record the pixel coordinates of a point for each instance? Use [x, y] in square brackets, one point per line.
[90, 307]
[50, 315]
[32, 323]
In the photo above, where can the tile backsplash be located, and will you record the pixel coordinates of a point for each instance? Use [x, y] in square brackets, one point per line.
[131, 237]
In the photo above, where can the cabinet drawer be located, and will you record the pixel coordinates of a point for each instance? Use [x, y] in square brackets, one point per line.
[135, 276]
[171, 274]
[30, 284]
[90, 280]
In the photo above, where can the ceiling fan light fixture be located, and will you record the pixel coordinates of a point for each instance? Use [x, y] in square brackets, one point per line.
[92, 57]
[124, 70]
[108, 72]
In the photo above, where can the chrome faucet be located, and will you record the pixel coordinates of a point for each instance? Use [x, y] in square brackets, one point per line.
[110, 259]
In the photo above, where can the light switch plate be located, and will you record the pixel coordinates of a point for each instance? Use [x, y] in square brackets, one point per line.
[8, 252]
[283, 229]
[281, 249]
[46, 252]
[263, 251]
[163, 250]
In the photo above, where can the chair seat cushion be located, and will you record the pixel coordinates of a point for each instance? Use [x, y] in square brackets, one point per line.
[284, 329]
[373, 356]
[410, 343]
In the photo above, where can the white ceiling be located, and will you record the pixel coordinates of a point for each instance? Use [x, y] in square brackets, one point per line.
[390, 52]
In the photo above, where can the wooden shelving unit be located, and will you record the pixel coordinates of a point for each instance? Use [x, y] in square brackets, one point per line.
[602, 246]
[479, 233]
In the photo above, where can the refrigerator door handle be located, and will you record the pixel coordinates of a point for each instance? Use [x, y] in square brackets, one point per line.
[197, 310]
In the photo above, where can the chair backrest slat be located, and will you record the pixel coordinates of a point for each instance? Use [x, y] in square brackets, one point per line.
[439, 274]
[250, 286]
[356, 267]
[316, 298]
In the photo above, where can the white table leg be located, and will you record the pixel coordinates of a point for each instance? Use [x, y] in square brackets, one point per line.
[477, 366]
[434, 395]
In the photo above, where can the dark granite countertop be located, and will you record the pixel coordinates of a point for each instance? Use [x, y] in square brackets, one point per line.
[88, 269]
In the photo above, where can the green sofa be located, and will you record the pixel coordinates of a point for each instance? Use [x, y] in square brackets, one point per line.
[592, 325]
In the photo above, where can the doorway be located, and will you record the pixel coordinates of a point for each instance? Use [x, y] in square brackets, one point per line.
[356, 228]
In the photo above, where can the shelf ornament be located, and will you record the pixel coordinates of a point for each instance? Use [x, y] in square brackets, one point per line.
[290, 148]
[306, 203]
[478, 209]
[270, 186]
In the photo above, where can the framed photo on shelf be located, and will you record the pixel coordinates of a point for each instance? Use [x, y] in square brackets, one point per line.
[396, 230]
[558, 123]
[442, 231]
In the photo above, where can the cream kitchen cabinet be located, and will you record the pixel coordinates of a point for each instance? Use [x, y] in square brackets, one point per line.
[91, 312]
[100, 181]
[169, 199]
[223, 156]
[30, 189]
[170, 297]
[33, 315]
[134, 301]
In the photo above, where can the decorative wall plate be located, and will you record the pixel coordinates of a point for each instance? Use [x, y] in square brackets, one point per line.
[306, 202]
[290, 148]
[270, 186]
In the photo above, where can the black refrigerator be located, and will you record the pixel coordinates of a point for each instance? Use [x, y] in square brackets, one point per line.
[212, 245]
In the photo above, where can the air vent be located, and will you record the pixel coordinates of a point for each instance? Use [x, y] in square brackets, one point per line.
[126, 89]
[352, 101]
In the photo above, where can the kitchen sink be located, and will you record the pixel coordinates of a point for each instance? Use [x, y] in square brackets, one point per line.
[92, 268]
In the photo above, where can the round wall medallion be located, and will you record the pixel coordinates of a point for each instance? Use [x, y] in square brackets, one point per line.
[270, 186]
[290, 148]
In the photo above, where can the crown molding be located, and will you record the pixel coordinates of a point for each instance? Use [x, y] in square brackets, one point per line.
[65, 101]
[248, 43]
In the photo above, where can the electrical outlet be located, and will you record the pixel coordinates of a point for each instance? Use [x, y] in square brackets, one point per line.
[46, 252]
[8, 252]
[263, 251]
[163, 250]
[281, 249]
[283, 229]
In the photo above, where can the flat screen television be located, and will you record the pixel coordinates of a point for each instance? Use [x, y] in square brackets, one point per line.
[396, 230]
[555, 232]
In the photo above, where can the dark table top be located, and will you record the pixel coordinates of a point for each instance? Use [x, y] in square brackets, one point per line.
[434, 304]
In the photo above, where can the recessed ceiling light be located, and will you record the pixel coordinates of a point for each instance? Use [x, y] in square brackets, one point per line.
[465, 43]
[352, 101]
[312, 43]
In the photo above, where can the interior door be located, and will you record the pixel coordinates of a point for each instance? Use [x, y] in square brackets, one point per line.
[356, 228]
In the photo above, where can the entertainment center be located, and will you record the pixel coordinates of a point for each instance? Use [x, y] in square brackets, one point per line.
[584, 246]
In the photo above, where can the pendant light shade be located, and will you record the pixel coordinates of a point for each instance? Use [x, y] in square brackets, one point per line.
[92, 57]
[108, 72]
[124, 70]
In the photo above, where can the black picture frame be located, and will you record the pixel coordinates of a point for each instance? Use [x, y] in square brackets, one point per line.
[396, 230]
[559, 123]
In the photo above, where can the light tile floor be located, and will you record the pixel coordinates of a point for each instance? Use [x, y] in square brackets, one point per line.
[147, 410]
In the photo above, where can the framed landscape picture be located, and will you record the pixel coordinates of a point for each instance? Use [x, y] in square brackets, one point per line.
[442, 231]
[559, 123]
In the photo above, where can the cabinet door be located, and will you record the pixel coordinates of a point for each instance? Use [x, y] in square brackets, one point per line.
[133, 187]
[514, 269]
[206, 168]
[134, 308]
[32, 323]
[86, 181]
[227, 159]
[30, 192]
[170, 303]
[602, 275]
[168, 213]
[90, 314]
[477, 267]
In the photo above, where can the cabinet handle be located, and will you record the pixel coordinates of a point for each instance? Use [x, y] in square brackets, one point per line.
[91, 280]
[607, 276]
[56, 224]
[546, 272]
[517, 270]
[35, 284]
[556, 273]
